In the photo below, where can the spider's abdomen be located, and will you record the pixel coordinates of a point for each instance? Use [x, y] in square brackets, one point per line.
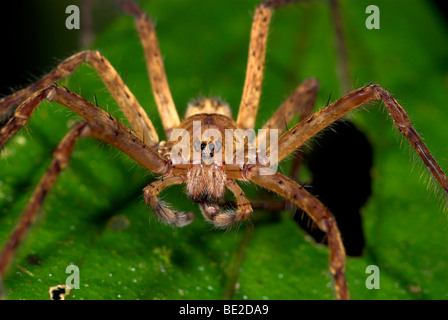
[208, 106]
[206, 183]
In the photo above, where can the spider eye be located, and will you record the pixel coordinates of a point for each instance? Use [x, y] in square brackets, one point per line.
[211, 155]
[203, 145]
[211, 146]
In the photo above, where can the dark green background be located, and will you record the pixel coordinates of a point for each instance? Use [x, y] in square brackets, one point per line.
[205, 49]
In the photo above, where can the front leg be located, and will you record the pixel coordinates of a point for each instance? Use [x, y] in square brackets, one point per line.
[255, 64]
[154, 63]
[103, 126]
[132, 109]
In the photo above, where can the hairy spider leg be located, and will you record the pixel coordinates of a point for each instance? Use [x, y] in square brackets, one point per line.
[301, 102]
[154, 63]
[160, 208]
[300, 133]
[132, 109]
[254, 73]
[99, 124]
[213, 213]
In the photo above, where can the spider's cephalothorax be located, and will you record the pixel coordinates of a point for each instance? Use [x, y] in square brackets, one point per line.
[201, 159]
[206, 177]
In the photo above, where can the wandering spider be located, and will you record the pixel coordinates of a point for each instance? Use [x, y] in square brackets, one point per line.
[140, 157]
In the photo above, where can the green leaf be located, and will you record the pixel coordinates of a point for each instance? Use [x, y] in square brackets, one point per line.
[95, 216]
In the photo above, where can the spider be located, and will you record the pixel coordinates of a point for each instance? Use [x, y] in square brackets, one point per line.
[205, 182]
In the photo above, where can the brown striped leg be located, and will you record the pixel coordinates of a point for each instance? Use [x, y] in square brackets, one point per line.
[103, 126]
[132, 109]
[301, 102]
[61, 157]
[161, 209]
[99, 125]
[305, 111]
[295, 193]
[154, 63]
[300, 133]
[254, 73]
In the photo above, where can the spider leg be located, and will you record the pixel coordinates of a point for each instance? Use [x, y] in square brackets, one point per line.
[301, 102]
[295, 193]
[154, 63]
[175, 218]
[254, 72]
[100, 125]
[103, 126]
[319, 120]
[209, 210]
[213, 214]
[305, 111]
[60, 159]
[132, 109]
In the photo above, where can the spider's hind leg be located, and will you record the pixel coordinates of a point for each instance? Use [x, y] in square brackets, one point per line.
[60, 159]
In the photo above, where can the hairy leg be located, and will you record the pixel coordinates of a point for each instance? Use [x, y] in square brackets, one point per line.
[99, 125]
[301, 102]
[103, 126]
[165, 214]
[213, 213]
[299, 134]
[226, 219]
[254, 72]
[154, 63]
[132, 109]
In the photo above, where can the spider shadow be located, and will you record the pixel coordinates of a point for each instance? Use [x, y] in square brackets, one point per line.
[340, 162]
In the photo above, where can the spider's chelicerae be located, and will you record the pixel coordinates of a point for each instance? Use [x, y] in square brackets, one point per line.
[208, 179]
